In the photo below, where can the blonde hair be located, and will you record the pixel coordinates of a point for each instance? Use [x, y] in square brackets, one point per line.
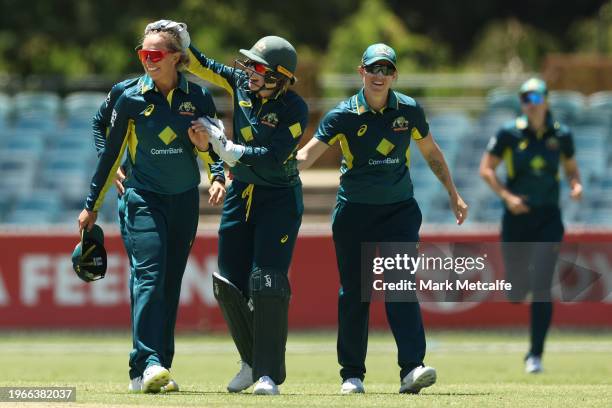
[173, 44]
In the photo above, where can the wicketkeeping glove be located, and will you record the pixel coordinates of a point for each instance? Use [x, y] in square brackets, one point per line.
[227, 150]
[179, 28]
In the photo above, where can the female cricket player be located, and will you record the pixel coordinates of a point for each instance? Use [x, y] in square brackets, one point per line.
[216, 175]
[375, 203]
[152, 119]
[532, 146]
[263, 209]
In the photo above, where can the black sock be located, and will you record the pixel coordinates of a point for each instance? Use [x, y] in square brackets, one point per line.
[541, 315]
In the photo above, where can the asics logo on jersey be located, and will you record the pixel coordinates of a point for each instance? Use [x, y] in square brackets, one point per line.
[362, 130]
[149, 110]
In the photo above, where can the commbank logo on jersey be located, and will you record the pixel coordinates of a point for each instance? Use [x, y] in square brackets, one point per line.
[399, 124]
[270, 119]
[186, 108]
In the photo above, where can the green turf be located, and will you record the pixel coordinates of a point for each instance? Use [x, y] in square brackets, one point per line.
[474, 370]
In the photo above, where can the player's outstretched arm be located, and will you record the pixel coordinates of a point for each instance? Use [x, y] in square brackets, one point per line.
[310, 153]
[435, 159]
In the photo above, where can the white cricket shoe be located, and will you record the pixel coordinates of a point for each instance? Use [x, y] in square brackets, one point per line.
[533, 365]
[154, 378]
[266, 386]
[135, 385]
[418, 378]
[242, 380]
[352, 386]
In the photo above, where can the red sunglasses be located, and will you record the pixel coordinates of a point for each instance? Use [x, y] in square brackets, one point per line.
[153, 55]
[257, 67]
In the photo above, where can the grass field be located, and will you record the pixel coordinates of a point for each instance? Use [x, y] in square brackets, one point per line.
[475, 369]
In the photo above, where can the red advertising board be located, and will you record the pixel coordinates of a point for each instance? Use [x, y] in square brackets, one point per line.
[38, 288]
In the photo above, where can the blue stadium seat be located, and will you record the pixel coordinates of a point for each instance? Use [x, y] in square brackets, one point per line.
[567, 106]
[80, 107]
[601, 100]
[40, 207]
[6, 105]
[501, 98]
[18, 173]
[37, 110]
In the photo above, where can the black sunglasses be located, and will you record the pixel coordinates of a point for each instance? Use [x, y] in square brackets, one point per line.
[386, 70]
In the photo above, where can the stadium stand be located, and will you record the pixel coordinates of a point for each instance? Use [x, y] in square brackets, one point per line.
[42, 135]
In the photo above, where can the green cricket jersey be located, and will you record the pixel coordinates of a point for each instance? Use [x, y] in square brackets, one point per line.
[532, 160]
[154, 131]
[101, 124]
[375, 147]
[270, 129]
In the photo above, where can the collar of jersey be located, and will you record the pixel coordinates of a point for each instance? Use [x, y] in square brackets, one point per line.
[362, 106]
[147, 84]
[522, 123]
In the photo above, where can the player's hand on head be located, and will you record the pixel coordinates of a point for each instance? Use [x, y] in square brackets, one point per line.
[515, 204]
[87, 219]
[459, 207]
[217, 193]
[179, 28]
[119, 178]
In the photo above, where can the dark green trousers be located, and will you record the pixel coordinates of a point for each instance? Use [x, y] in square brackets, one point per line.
[158, 231]
[258, 229]
[530, 267]
[257, 235]
[352, 225]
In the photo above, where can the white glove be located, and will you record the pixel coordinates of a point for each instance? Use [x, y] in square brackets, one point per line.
[227, 150]
[179, 28]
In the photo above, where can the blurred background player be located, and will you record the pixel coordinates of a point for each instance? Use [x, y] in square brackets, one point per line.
[533, 147]
[152, 118]
[263, 209]
[375, 203]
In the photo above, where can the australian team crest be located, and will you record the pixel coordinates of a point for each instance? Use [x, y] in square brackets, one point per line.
[399, 124]
[186, 108]
[270, 119]
[552, 143]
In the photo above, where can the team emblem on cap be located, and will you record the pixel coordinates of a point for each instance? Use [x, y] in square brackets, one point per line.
[260, 46]
[383, 49]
